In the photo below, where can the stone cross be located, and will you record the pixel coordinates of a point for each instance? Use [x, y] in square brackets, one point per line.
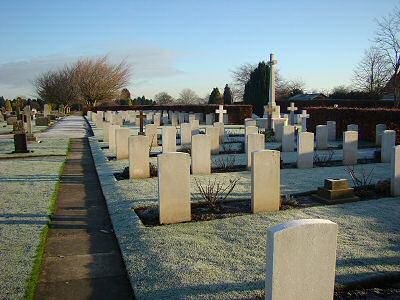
[291, 110]
[141, 117]
[272, 62]
[304, 116]
[270, 111]
[221, 111]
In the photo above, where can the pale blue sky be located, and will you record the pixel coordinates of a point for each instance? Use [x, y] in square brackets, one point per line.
[173, 45]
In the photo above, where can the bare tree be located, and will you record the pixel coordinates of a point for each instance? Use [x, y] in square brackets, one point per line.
[57, 86]
[241, 76]
[372, 73]
[188, 96]
[98, 80]
[387, 39]
[163, 98]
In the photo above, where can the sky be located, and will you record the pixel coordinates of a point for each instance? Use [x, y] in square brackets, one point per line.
[172, 45]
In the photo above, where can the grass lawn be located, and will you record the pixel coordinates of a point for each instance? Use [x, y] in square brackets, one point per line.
[27, 186]
[225, 258]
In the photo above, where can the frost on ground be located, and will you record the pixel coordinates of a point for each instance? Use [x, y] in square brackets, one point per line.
[225, 258]
[26, 188]
[54, 146]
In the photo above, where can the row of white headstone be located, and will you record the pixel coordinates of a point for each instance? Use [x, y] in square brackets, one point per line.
[166, 118]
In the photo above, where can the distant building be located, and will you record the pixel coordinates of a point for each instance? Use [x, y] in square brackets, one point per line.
[308, 97]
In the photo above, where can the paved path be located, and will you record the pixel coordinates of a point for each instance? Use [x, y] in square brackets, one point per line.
[71, 126]
[82, 259]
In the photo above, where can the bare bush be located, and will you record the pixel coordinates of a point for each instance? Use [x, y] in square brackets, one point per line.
[215, 192]
[321, 160]
[227, 162]
[361, 177]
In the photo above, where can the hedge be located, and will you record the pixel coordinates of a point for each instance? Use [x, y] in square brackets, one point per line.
[365, 118]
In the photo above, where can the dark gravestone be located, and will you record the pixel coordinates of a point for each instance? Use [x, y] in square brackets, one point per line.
[20, 143]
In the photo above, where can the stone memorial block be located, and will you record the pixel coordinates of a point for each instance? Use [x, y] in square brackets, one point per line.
[321, 132]
[174, 187]
[388, 142]
[139, 162]
[213, 133]
[350, 147]
[265, 181]
[395, 172]
[336, 191]
[301, 260]
[168, 139]
[194, 125]
[331, 130]
[201, 154]
[255, 142]
[221, 128]
[379, 129]
[305, 150]
[288, 138]
[151, 132]
[352, 127]
[186, 134]
[111, 136]
[209, 119]
[121, 142]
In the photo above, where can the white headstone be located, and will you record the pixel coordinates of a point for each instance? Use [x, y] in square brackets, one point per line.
[168, 139]
[288, 138]
[350, 147]
[111, 133]
[265, 181]
[174, 187]
[395, 176]
[255, 142]
[151, 132]
[331, 130]
[201, 154]
[213, 133]
[321, 133]
[301, 260]
[305, 150]
[221, 128]
[121, 142]
[139, 163]
[186, 134]
[379, 129]
[388, 142]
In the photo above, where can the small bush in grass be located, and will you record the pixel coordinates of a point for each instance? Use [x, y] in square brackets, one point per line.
[288, 201]
[226, 163]
[321, 160]
[360, 177]
[153, 170]
[215, 192]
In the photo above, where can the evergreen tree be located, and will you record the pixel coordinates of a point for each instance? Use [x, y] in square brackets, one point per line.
[125, 94]
[8, 105]
[257, 88]
[2, 101]
[215, 97]
[227, 95]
